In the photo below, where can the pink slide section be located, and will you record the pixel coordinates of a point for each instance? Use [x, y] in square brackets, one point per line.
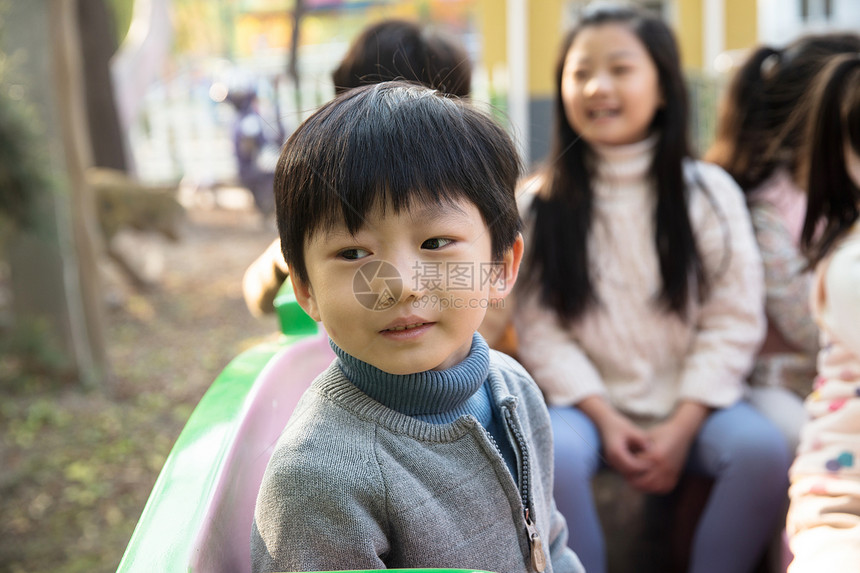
[223, 542]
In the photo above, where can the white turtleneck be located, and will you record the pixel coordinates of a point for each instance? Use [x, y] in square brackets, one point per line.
[643, 358]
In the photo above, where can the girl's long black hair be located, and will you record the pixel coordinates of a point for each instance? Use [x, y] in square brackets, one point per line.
[834, 121]
[558, 263]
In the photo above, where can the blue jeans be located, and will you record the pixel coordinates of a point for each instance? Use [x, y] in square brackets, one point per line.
[742, 451]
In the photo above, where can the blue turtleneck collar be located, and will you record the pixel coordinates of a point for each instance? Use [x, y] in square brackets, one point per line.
[435, 396]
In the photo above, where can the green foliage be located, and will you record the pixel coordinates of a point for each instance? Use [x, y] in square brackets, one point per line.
[20, 175]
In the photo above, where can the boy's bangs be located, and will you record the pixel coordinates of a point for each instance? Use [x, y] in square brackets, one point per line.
[397, 159]
[393, 146]
[401, 182]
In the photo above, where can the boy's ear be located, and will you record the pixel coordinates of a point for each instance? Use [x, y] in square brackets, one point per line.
[305, 296]
[504, 281]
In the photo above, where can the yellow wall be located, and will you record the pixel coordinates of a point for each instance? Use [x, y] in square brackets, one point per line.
[493, 29]
[741, 24]
[740, 21]
[688, 29]
[545, 34]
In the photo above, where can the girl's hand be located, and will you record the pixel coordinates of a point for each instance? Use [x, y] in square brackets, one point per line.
[623, 441]
[668, 446]
[667, 451]
[624, 444]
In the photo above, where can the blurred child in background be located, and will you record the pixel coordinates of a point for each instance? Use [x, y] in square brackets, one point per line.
[759, 146]
[824, 516]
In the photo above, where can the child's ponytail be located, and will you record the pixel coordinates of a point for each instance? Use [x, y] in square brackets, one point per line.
[743, 130]
[758, 131]
[834, 122]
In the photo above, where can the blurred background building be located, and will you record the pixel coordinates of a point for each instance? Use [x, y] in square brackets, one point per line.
[178, 128]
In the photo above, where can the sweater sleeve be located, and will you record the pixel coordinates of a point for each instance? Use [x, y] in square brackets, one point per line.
[553, 358]
[730, 324]
[312, 514]
[823, 521]
[787, 285]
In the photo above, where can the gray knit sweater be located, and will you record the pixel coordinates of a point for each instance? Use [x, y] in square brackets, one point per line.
[353, 484]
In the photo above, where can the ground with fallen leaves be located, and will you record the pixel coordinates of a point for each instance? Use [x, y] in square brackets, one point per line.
[77, 466]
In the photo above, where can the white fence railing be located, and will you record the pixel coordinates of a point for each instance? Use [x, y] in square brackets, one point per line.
[184, 134]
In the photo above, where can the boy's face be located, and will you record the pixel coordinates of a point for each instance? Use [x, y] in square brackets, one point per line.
[408, 290]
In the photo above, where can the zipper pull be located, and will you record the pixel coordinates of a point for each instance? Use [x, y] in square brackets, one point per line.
[538, 558]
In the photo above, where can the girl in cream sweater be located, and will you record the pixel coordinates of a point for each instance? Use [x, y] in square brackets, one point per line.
[645, 307]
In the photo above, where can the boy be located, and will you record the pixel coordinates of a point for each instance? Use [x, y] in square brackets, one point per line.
[418, 446]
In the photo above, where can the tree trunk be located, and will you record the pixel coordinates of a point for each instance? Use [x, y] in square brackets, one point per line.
[53, 267]
[98, 44]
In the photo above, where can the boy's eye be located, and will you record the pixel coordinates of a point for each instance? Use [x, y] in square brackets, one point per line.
[435, 243]
[580, 74]
[353, 254]
[621, 70]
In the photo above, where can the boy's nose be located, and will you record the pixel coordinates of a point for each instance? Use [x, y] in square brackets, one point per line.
[416, 278]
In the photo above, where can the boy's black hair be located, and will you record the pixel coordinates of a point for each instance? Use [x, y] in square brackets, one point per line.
[403, 50]
[834, 122]
[557, 262]
[390, 145]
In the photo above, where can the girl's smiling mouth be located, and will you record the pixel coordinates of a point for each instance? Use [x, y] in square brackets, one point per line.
[602, 113]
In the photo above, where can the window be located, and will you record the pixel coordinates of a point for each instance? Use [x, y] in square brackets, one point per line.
[816, 10]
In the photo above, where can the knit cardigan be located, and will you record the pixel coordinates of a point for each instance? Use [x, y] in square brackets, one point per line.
[628, 348]
[824, 516]
[353, 484]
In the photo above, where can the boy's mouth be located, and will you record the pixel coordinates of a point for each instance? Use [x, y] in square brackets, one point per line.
[405, 327]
